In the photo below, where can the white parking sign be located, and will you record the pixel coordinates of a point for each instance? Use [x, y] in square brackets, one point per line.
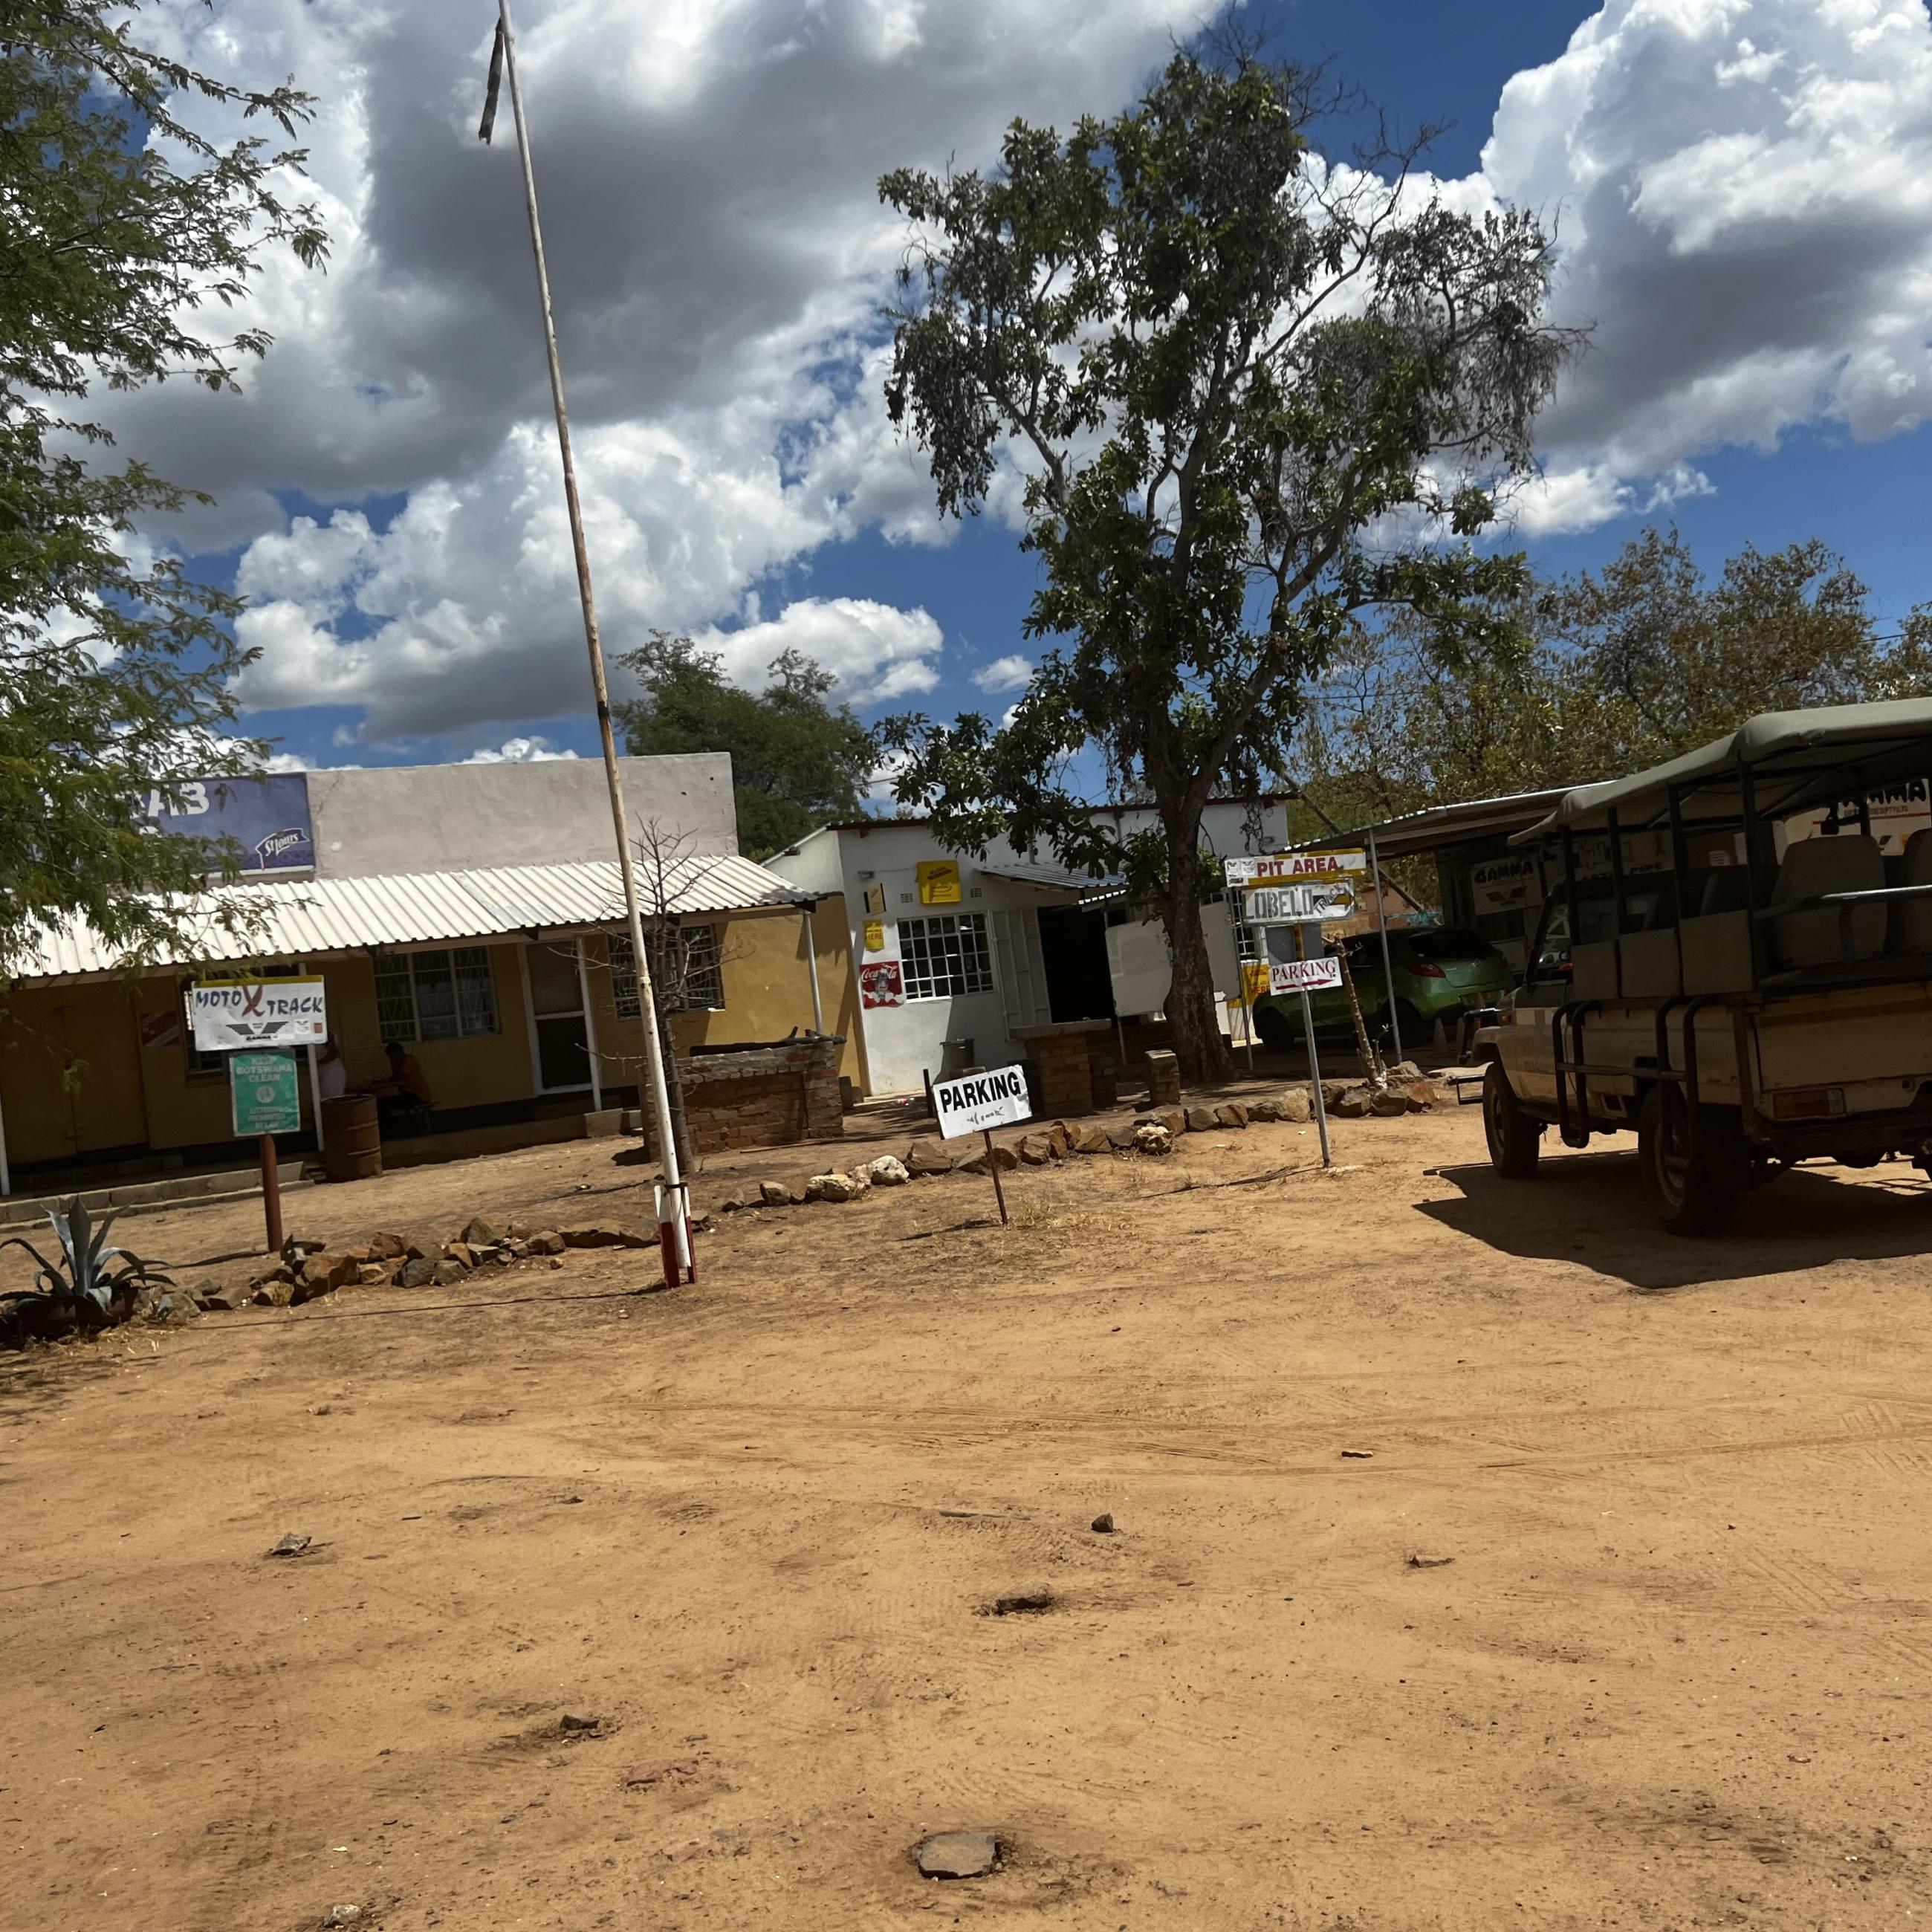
[975, 1101]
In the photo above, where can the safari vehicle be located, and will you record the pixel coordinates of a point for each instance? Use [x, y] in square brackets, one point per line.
[1730, 962]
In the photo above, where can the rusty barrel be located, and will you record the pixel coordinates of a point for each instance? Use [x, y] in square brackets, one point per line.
[352, 1138]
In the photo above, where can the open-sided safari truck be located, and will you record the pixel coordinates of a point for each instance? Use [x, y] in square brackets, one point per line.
[1730, 962]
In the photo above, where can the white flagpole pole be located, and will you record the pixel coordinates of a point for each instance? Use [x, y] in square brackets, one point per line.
[673, 1219]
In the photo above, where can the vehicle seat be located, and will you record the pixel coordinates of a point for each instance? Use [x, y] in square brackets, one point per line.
[1727, 889]
[1912, 918]
[1850, 862]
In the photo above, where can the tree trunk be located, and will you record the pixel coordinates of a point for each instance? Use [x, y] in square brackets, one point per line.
[1198, 1043]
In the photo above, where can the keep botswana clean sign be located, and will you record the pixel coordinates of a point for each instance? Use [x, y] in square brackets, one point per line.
[977, 1101]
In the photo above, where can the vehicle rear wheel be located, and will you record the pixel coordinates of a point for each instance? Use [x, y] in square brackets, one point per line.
[1277, 1031]
[1683, 1196]
[1415, 1030]
[1515, 1137]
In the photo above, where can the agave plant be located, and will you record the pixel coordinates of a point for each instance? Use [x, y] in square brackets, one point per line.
[92, 1286]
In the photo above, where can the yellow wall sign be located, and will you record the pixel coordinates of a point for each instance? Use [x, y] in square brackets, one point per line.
[1254, 981]
[875, 935]
[939, 882]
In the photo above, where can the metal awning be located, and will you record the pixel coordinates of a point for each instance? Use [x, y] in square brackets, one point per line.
[1052, 879]
[311, 919]
[1796, 759]
[1436, 825]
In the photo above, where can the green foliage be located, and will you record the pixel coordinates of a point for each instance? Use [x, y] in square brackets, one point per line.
[1598, 675]
[1252, 394]
[797, 761]
[123, 228]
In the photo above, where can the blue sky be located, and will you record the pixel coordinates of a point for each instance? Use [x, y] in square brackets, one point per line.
[1736, 185]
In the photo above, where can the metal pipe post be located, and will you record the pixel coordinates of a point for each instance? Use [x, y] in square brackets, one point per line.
[675, 1230]
[272, 1195]
[1315, 1080]
[315, 1098]
[589, 1029]
[1382, 927]
[811, 967]
[993, 1168]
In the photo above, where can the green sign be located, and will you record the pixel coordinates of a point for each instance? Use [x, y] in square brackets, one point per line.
[267, 1100]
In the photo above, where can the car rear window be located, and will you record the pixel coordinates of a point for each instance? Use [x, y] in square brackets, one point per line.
[1447, 943]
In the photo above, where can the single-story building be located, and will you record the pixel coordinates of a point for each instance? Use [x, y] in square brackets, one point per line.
[984, 952]
[510, 983]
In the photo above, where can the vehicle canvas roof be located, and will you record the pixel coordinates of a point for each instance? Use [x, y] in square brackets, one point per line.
[1797, 759]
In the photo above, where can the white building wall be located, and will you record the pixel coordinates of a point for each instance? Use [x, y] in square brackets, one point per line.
[903, 1044]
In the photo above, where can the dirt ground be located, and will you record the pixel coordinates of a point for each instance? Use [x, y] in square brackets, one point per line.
[1482, 1559]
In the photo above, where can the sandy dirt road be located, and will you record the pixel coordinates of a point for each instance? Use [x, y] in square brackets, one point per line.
[1663, 1658]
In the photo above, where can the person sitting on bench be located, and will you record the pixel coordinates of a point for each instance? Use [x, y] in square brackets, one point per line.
[404, 1099]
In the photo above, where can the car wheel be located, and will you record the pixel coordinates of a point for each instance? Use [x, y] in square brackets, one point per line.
[1515, 1137]
[1683, 1198]
[1415, 1031]
[1277, 1031]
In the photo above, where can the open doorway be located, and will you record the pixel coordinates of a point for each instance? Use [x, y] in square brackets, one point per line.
[1073, 948]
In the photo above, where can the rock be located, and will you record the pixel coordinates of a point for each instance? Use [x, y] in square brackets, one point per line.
[1406, 1070]
[293, 1544]
[339, 1915]
[171, 1307]
[1422, 1095]
[1091, 1139]
[446, 1273]
[418, 1272]
[572, 1721]
[957, 1854]
[389, 1248]
[517, 1251]
[460, 1252]
[545, 1241]
[419, 1250]
[479, 1233]
[1122, 1137]
[1296, 1105]
[1061, 1135]
[801, 1193]
[774, 1193]
[1230, 1114]
[1353, 1103]
[1332, 1091]
[738, 1199]
[1036, 1150]
[1102, 1525]
[211, 1297]
[640, 1775]
[1003, 1158]
[321, 1274]
[1387, 1104]
[371, 1274]
[272, 1294]
[1264, 1109]
[832, 1187]
[886, 1170]
[1151, 1139]
[1201, 1120]
[596, 1234]
[1173, 1119]
[362, 1254]
[557, 1260]
[928, 1157]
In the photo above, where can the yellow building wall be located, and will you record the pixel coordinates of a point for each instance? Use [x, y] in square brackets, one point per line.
[767, 988]
[71, 1072]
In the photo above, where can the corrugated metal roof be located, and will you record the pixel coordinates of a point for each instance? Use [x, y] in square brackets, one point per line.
[1048, 878]
[307, 919]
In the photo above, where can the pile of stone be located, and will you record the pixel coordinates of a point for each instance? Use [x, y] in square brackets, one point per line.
[308, 1269]
[1153, 1134]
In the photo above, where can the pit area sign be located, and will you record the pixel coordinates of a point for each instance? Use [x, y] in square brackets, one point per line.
[977, 1102]
[1304, 976]
[227, 1015]
[1292, 868]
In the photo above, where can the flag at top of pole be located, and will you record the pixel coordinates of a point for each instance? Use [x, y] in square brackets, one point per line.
[674, 1209]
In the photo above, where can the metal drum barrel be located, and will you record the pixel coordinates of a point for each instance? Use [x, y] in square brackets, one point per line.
[352, 1138]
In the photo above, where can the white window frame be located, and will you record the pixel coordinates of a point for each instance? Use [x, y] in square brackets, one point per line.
[974, 976]
[403, 965]
[697, 940]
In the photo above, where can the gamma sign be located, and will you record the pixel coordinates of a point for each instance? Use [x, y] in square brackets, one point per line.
[975, 1101]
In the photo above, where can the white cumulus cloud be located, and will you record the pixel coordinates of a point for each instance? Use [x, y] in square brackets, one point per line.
[877, 651]
[1006, 673]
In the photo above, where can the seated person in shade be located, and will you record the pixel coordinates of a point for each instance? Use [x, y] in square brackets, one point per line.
[405, 1093]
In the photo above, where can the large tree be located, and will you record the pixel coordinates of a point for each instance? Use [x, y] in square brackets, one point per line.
[796, 760]
[125, 236]
[1251, 392]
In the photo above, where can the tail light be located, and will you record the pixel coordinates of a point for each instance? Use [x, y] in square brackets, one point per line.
[1808, 1103]
[1423, 970]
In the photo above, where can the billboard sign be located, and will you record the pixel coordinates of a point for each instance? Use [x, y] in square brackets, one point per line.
[228, 1014]
[268, 817]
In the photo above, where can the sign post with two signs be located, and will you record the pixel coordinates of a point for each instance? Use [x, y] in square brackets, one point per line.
[258, 1023]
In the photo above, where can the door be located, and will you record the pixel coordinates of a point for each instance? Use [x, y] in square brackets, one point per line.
[1073, 947]
[559, 1032]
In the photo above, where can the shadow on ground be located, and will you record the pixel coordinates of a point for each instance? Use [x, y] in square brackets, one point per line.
[1588, 1208]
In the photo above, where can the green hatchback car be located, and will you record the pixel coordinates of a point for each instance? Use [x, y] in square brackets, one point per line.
[1440, 971]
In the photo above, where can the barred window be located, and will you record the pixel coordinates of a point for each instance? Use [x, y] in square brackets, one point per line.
[446, 994]
[1247, 939]
[703, 978]
[946, 956]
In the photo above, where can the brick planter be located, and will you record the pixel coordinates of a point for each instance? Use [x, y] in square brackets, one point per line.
[763, 1096]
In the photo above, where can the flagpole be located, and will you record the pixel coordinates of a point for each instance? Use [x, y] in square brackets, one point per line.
[674, 1217]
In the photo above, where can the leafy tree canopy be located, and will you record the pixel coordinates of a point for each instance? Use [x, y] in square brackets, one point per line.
[1601, 675]
[1252, 392]
[797, 761]
[124, 234]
